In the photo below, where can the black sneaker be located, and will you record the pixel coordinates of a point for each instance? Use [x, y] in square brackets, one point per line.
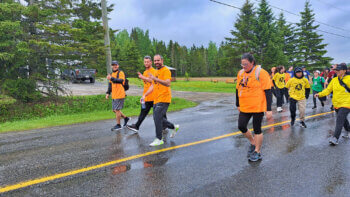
[126, 121]
[322, 103]
[332, 107]
[314, 107]
[292, 121]
[251, 150]
[255, 157]
[133, 128]
[302, 124]
[116, 127]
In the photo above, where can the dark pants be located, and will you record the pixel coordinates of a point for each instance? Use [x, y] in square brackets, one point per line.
[342, 121]
[279, 96]
[273, 90]
[322, 99]
[144, 113]
[160, 120]
[286, 94]
[243, 120]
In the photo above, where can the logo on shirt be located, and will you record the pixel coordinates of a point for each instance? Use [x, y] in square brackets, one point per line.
[299, 87]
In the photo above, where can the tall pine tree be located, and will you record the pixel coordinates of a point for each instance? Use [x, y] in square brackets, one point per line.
[311, 51]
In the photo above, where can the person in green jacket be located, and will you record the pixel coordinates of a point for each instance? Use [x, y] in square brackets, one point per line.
[317, 86]
[340, 86]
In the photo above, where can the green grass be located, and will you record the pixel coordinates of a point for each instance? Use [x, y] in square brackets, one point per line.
[194, 86]
[67, 119]
[6, 100]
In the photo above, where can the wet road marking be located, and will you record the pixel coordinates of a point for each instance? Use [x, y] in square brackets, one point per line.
[78, 171]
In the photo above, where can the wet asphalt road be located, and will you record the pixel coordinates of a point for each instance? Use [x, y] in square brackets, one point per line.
[296, 161]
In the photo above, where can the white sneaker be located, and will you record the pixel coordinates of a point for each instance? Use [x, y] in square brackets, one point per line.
[174, 131]
[279, 109]
[156, 142]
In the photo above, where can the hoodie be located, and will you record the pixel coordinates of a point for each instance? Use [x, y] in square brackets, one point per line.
[299, 87]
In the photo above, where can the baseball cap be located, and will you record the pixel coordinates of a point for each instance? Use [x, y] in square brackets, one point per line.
[317, 71]
[341, 66]
[298, 69]
[114, 63]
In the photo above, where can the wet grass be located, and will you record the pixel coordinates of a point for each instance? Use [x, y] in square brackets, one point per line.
[68, 119]
[195, 86]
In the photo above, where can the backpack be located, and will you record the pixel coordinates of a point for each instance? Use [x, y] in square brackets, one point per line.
[126, 83]
[257, 72]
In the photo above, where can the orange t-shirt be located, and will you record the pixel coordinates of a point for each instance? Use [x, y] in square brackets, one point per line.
[162, 94]
[146, 84]
[287, 77]
[118, 91]
[251, 92]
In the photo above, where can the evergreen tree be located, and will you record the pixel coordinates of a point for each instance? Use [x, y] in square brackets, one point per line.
[311, 51]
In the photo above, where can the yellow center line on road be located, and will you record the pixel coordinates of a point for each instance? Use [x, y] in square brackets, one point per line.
[81, 170]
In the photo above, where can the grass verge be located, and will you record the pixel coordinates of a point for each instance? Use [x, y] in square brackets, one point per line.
[195, 86]
[68, 119]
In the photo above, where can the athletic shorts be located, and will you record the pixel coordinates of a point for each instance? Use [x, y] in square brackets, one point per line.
[117, 104]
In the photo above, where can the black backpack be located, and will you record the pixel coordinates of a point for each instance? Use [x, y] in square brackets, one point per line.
[126, 83]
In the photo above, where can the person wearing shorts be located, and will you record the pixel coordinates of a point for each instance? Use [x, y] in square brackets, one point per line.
[253, 98]
[116, 88]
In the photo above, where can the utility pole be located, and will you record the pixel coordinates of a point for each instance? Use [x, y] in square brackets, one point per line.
[107, 41]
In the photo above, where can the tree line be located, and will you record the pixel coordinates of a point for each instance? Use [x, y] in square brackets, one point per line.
[40, 37]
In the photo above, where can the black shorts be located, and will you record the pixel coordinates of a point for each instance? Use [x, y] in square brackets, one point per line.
[244, 118]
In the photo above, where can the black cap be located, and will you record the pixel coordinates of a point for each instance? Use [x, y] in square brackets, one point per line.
[298, 69]
[341, 66]
[114, 63]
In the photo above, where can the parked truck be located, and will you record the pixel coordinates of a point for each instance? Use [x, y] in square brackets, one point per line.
[79, 73]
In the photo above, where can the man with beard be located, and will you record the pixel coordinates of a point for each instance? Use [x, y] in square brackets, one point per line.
[147, 102]
[162, 99]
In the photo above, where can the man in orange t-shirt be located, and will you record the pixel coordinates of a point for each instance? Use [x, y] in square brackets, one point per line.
[253, 95]
[115, 86]
[147, 102]
[162, 100]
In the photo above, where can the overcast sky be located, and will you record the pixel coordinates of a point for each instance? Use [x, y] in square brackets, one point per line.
[200, 21]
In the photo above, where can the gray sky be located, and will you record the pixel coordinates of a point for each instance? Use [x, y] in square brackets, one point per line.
[200, 21]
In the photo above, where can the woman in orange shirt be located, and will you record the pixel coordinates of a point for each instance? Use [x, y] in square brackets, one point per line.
[253, 98]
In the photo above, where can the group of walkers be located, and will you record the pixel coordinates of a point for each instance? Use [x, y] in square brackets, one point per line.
[255, 88]
[156, 95]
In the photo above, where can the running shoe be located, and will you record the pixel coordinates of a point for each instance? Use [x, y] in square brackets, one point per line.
[126, 120]
[174, 131]
[302, 124]
[346, 135]
[255, 156]
[133, 128]
[157, 142]
[251, 150]
[333, 141]
[314, 107]
[322, 103]
[116, 127]
[279, 109]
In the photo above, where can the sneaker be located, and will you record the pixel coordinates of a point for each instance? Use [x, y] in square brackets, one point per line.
[126, 120]
[322, 103]
[332, 107]
[251, 150]
[333, 141]
[156, 142]
[292, 121]
[346, 135]
[255, 156]
[174, 131]
[133, 128]
[302, 124]
[116, 127]
[314, 107]
[279, 109]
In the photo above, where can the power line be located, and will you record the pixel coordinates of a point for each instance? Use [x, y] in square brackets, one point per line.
[320, 22]
[331, 33]
[328, 4]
